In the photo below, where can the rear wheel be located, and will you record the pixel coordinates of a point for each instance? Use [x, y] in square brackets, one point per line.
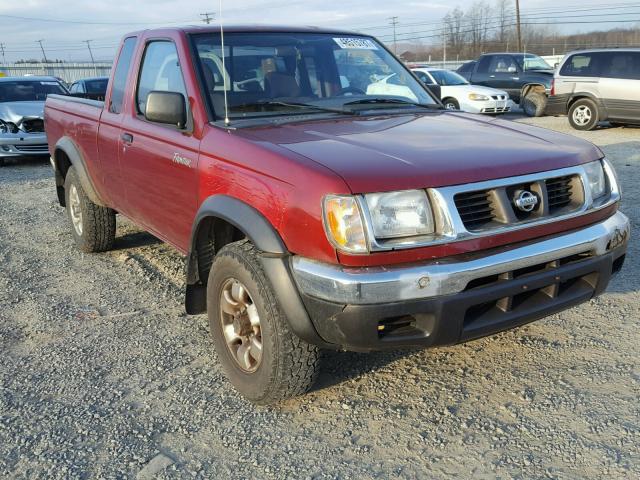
[93, 227]
[451, 104]
[262, 358]
[583, 114]
[534, 104]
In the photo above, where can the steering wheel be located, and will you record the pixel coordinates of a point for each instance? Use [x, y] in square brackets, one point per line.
[351, 90]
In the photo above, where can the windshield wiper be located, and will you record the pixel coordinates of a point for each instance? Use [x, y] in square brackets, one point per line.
[392, 101]
[306, 106]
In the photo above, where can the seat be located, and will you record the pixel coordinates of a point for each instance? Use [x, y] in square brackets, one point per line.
[282, 85]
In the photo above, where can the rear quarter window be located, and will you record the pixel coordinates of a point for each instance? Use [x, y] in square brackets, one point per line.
[623, 65]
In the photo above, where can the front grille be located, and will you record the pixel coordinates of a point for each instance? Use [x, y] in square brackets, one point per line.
[496, 110]
[35, 125]
[37, 148]
[559, 191]
[475, 208]
[483, 210]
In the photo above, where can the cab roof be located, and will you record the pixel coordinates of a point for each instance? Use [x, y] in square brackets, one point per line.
[252, 28]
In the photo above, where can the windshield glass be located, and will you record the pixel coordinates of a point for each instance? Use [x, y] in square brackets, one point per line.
[29, 90]
[447, 78]
[97, 86]
[529, 61]
[271, 74]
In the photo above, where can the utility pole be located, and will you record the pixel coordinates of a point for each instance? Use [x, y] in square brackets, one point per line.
[42, 48]
[95, 69]
[444, 48]
[518, 26]
[394, 24]
[207, 17]
[2, 50]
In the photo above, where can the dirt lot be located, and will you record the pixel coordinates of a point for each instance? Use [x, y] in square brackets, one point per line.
[102, 375]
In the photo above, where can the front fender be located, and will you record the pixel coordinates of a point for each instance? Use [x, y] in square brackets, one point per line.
[274, 256]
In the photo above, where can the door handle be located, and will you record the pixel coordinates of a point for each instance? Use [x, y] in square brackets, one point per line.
[127, 138]
[515, 78]
[492, 76]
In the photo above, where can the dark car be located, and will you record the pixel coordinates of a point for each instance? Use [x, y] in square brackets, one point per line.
[93, 88]
[524, 76]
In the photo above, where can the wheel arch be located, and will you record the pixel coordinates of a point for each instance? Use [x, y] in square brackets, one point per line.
[223, 219]
[532, 87]
[66, 155]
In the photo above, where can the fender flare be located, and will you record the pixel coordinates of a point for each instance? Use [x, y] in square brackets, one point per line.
[527, 87]
[275, 262]
[66, 145]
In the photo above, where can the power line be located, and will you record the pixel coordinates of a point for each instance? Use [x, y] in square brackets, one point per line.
[84, 22]
[207, 17]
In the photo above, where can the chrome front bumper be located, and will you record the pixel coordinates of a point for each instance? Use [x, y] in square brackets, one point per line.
[23, 144]
[377, 285]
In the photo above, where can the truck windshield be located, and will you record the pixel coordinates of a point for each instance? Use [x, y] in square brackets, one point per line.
[528, 61]
[29, 90]
[272, 74]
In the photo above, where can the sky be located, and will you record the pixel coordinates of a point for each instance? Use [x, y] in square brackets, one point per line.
[65, 25]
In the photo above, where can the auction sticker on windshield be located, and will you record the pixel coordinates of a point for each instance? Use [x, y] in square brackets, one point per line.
[356, 43]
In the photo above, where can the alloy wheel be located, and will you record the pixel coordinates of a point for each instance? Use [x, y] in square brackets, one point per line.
[241, 325]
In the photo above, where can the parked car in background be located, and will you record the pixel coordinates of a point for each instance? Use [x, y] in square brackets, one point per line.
[94, 88]
[524, 76]
[21, 115]
[315, 215]
[458, 94]
[596, 85]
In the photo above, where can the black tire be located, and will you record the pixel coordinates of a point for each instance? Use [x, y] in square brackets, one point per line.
[289, 366]
[97, 230]
[1, 162]
[534, 104]
[584, 114]
[451, 104]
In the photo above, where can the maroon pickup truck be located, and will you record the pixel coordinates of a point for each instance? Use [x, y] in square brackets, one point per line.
[324, 199]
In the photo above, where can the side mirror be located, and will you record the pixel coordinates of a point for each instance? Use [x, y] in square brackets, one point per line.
[166, 107]
[435, 90]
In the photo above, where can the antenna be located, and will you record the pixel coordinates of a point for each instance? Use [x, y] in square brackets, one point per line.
[224, 70]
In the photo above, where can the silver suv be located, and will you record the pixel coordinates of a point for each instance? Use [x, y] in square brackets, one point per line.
[596, 85]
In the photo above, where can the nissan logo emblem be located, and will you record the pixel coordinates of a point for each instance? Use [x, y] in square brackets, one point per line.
[525, 201]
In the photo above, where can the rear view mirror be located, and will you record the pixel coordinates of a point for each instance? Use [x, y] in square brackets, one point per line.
[435, 90]
[166, 107]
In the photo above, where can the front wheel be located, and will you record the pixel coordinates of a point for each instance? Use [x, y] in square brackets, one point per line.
[262, 358]
[451, 104]
[583, 114]
[534, 104]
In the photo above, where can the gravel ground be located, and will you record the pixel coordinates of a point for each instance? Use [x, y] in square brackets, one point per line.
[102, 375]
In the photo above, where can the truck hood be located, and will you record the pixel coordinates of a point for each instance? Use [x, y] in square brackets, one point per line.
[14, 112]
[435, 149]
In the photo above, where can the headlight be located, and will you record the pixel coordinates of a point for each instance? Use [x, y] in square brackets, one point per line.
[343, 224]
[596, 179]
[478, 97]
[400, 214]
